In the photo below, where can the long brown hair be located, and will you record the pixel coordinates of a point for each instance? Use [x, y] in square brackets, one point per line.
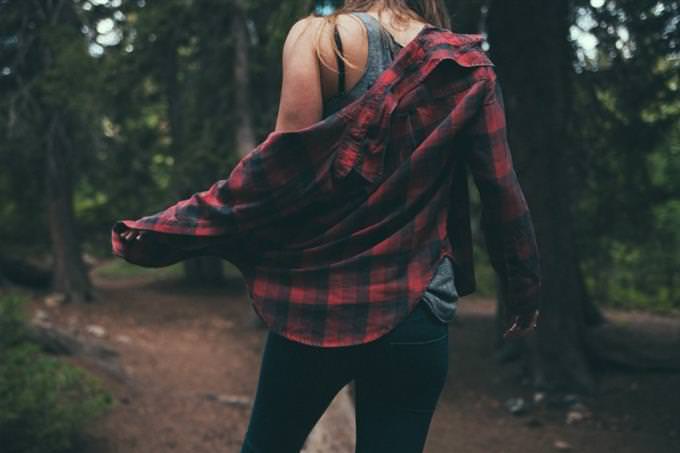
[429, 11]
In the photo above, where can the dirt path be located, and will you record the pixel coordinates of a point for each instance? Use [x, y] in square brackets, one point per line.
[192, 358]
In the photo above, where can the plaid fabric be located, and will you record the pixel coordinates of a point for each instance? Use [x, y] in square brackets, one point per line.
[338, 227]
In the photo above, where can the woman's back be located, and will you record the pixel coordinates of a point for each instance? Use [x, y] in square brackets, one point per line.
[441, 294]
[382, 49]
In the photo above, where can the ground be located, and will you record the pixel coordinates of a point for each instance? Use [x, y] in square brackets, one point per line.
[190, 360]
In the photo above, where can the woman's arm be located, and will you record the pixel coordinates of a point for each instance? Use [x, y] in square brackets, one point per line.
[506, 221]
[301, 102]
[301, 98]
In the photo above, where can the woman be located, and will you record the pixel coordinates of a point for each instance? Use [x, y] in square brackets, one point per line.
[328, 63]
[389, 419]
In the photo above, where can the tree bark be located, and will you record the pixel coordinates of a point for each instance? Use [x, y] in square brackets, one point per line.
[529, 45]
[637, 343]
[244, 130]
[467, 15]
[56, 340]
[70, 275]
[204, 269]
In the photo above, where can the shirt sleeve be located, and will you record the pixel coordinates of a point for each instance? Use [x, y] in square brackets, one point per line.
[270, 188]
[505, 218]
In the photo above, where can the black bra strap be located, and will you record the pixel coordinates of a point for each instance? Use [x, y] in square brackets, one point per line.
[341, 63]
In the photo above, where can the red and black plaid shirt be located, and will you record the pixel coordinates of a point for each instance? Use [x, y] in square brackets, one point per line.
[338, 227]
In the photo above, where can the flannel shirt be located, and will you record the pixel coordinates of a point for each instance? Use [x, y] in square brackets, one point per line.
[338, 227]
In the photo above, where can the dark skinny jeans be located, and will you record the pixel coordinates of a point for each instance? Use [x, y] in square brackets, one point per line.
[398, 381]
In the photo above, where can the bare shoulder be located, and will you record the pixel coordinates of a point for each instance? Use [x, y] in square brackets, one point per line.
[303, 33]
[306, 30]
[352, 31]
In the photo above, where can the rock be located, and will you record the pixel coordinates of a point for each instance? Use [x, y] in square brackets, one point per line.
[539, 397]
[123, 339]
[562, 445]
[90, 260]
[516, 406]
[574, 417]
[54, 300]
[40, 316]
[236, 400]
[576, 413]
[97, 331]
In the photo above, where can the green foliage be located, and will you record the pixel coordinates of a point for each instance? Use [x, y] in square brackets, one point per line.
[12, 322]
[627, 122]
[149, 118]
[44, 402]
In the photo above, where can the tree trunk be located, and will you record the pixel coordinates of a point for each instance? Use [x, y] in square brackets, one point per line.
[244, 131]
[245, 134]
[70, 275]
[467, 15]
[203, 269]
[529, 45]
[206, 270]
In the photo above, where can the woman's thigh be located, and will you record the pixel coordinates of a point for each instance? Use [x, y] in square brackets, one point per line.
[397, 393]
[297, 383]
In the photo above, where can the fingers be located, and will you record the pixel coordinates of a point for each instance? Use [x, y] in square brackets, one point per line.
[520, 327]
[534, 319]
[528, 321]
[515, 332]
[132, 235]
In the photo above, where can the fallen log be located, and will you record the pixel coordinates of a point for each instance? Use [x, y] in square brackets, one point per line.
[643, 343]
[57, 340]
[23, 273]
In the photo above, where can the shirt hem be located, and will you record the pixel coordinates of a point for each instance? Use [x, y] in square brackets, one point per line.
[368, 339]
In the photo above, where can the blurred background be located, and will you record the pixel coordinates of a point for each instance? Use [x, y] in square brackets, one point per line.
[115, 109]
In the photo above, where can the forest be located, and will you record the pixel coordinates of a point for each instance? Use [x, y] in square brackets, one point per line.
[114, 109]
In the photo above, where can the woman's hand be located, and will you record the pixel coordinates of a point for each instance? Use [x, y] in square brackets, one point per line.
[132, 235]
[522, 325]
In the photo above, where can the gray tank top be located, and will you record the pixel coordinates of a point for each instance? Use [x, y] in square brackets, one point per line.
[440, 296]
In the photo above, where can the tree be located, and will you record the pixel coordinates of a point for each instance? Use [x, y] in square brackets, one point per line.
[44, 65]
[245, 135]
[529, 45]
[626, 96]
[586, 133]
